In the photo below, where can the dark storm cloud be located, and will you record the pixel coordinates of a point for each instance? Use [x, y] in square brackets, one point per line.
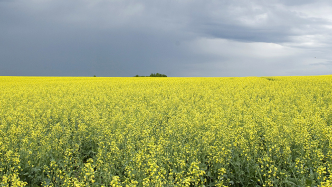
[178, 38]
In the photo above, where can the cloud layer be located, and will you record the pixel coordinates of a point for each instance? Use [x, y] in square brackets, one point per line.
[177, 38]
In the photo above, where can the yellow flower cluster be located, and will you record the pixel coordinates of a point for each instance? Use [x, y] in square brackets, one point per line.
[250, 131]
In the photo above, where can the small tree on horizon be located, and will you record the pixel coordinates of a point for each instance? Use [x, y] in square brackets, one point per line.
[157, 75]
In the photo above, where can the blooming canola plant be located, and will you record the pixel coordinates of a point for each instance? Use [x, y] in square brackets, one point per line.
[247, 131]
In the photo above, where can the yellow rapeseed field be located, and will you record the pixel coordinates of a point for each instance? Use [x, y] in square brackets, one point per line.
[250, 131]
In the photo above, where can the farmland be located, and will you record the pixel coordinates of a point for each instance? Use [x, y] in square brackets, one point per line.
[246, 131]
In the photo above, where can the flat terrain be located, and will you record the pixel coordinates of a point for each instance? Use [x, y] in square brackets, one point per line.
[250, 131]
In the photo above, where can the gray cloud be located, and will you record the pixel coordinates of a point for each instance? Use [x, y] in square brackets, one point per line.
[178, 38]
[326, 63]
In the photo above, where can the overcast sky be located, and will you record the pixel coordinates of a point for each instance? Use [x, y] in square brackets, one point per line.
[179, 38]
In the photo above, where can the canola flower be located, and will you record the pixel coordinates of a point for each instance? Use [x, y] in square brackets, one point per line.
[252, 131]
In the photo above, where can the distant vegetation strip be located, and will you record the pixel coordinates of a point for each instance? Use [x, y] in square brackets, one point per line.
[153, 75]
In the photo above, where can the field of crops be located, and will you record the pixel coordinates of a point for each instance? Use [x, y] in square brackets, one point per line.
[251, 131]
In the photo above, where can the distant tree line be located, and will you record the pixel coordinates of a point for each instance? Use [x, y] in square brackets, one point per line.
[153, 75]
